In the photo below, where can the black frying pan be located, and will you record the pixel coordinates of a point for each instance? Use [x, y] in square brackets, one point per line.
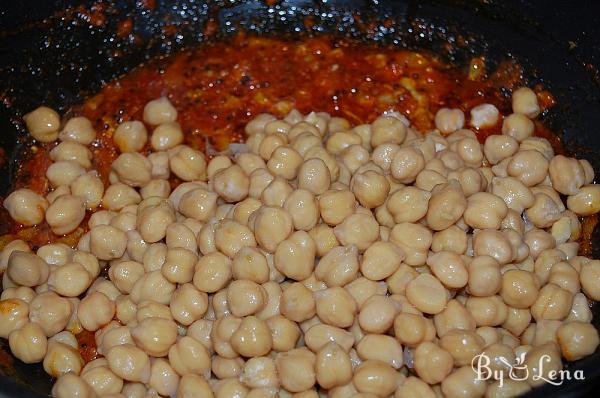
[47, 58]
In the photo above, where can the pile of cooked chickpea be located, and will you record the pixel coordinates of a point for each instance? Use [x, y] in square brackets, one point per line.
[323, 260]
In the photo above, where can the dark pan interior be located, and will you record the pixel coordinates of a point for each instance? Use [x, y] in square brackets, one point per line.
[57, 57]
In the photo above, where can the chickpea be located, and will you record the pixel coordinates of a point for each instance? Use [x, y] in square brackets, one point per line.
[452, 239]
[70, 385]
[249, 263]
[198, 204]
[538, 240]
[487, 311]
[580, 310]
[245, 297]
[333, 367]
[586, 202]
[432, 363]
[371, 188]
[64, 172]
[318, 336]
[485, 278]
[339, 266]
[519, 289]
[270, 142]
[336, 205]
[294, 257]
[90, 188]
[449, 120]
[484, 115]
[499, 147]
[102, 379]
[493, 243]
[27, 269]
[61, 359]
[463, 382]
[375, 377]
[43, 124]
[154, 216]
[153, 286]
[414, 387]
[78, 129]
[380, 347]
[446, 205]
[463, 345]
[272, 226]
[188, 304]
[70, 280]
[553, 303]
[577, 340]
[155, 335]
[230, 387]
[260, 372]
[130, 136]
[129, 363]
[396, 283]
[106, 339]
[517, 126]
[285, 162]
[589, 277]
[427, 294]
[95, 310]
[314, 176]
[154, 257]
[28, 343]
[297, 303]
[408, 204]
[276, 193]
[335, 306]
[454, 316]
[414, 239]
[191, 385]
[358, 229]
[354, 157]
[284, 332]
[156, 187]
[72, 151]
[107, 243]
[133, 169]
[449, 268]
[542, 361]
[65, 214]
[485, 210]
[530, 167]
[231, 183]
[257, 125]
[303, 208]
[588, 170]
[387, 130]
[188, 164]
[244, 209]
[160, 165]
[159, 111]
[48, 309]
[381, 260]
[407, 164]
[225, 368]
[296, 369]
[213, 271]
[23, 293]
[539, 144]
[564, 275]
[524, 101]
[118, 196]
[377, 314]
[252, 338]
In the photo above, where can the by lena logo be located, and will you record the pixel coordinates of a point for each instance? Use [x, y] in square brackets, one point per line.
[520, 371]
